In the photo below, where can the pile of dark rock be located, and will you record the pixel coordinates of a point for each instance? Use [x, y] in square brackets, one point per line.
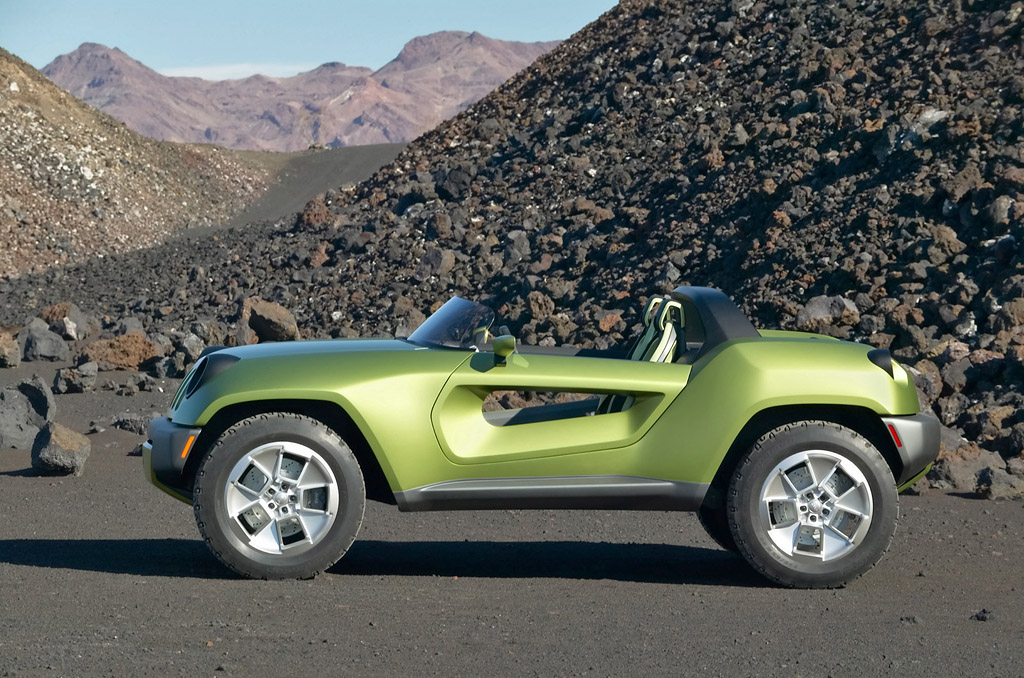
[847, 168]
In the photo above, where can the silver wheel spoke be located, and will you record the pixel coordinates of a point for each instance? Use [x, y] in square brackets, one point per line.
[314, 522]
[239, 498]
[266, 539]
[312, 476]
[828, 476]
[785, 537]
[833, 543]
[790, 487]
[855, 501]
[277, 464]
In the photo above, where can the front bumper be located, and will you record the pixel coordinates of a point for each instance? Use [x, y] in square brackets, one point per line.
[917, 440]
[164, 456]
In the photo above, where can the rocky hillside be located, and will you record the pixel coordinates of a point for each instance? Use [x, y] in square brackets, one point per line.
[855, 170]
[434, 77]
[76, 183]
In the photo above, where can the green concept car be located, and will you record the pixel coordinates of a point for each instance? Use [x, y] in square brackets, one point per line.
[791, 447]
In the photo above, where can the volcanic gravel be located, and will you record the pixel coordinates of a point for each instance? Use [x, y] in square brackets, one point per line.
[850, 168]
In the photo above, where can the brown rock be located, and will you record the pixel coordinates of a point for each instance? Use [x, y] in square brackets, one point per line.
[541, 305]
[316, 212]
[126, 352]
[59, 450]
[10, 352]
[270, 321]
[946, 241]
[958, 470]
[319, 257]
[608, 323]
[1013, 310]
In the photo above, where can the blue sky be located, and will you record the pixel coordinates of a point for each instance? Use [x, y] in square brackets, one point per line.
[219, 39]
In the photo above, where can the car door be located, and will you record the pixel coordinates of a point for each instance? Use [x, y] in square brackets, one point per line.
[468, 435]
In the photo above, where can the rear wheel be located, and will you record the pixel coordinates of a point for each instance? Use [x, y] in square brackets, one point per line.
[279, 496]
[812, 505]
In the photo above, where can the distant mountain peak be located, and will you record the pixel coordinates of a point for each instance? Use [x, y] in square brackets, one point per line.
[432, 78]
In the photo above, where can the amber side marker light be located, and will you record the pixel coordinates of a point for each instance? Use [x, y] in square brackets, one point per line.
[192, 439]
[892, 430]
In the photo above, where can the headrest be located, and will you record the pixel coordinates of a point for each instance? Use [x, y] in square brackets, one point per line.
[670, 313]
[650, 310]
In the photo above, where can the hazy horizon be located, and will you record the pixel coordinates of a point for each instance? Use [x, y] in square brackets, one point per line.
[229, 40]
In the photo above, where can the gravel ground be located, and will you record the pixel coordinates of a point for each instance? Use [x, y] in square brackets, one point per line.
[104, 575]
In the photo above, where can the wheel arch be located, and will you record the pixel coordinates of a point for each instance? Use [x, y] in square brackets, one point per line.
[860, 419]
[328, 413]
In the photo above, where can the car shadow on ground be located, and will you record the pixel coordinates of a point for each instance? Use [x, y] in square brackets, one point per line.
[661, 563]
[656, 563]
[144, 557]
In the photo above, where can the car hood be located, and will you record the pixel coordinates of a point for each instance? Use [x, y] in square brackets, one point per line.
[320, 347]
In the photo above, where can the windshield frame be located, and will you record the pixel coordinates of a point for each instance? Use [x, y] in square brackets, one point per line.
[459, 324]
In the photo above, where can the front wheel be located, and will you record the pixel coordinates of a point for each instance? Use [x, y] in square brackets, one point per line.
[812, 505]
[279, 496]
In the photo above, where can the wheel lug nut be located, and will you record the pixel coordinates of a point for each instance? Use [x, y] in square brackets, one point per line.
[284, 509]
[271, 505]
[814, 518]
[292, 498]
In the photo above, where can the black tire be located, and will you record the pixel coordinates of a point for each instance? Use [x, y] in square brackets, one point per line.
[715, 522]
[805, 539]
[289, 532]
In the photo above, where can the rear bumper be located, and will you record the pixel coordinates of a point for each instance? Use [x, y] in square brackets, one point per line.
[164, 455]
[917, 440]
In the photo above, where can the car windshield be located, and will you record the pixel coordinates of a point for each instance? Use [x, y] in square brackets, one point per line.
[457, 324]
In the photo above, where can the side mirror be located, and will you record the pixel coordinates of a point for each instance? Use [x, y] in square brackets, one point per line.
[504, 346]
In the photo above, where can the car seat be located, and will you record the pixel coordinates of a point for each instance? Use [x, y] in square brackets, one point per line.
[659, 342]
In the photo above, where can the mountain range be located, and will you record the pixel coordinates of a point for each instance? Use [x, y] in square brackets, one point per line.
[432, 78]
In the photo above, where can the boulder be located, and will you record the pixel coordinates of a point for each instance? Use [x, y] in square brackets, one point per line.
[995, 482]
[24, 410]
[69, 321]
[80, 379]
[823, 311]
[959, 471]
[270, 321]
[435, 262]
[58, 450]
[42, 344]
[133, 423]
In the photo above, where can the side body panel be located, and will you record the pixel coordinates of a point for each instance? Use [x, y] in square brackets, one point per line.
[682, 424]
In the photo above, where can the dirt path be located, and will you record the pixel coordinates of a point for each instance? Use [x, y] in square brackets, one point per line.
[303, 175]
[104, 575]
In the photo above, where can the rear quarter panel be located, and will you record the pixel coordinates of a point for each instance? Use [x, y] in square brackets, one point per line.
[741, 378]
